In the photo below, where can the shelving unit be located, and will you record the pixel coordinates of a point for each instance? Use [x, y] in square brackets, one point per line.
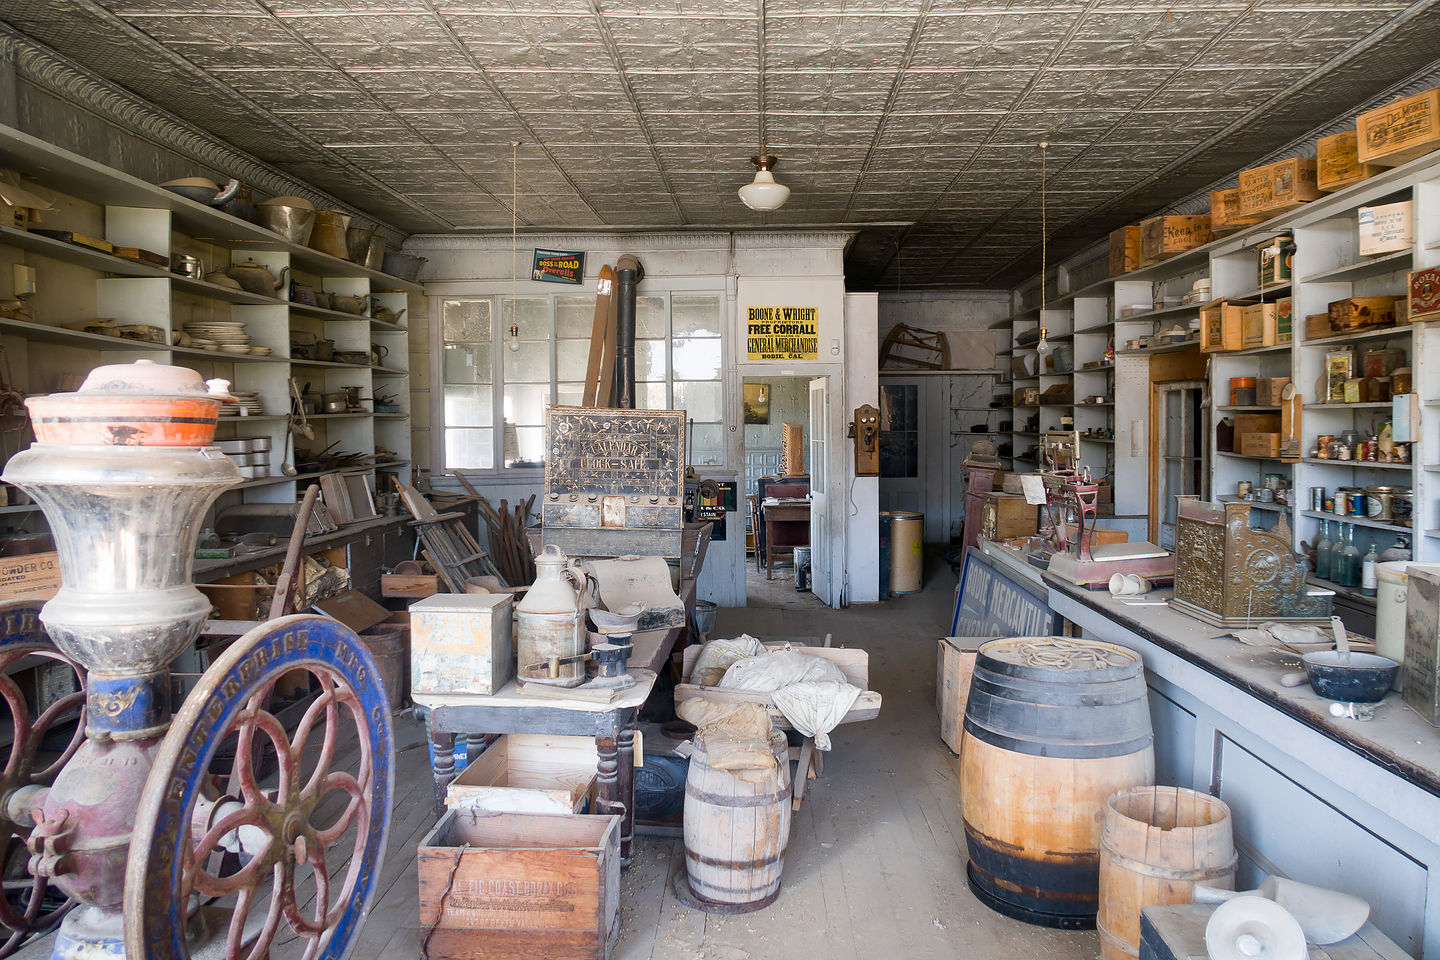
[77, 283]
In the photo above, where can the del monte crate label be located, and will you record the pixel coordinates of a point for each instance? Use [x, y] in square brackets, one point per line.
[782, 333]
[558, 266]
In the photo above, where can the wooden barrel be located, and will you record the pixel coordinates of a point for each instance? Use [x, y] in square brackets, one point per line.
[736, 832]
[1157, 843]
[1053, 727]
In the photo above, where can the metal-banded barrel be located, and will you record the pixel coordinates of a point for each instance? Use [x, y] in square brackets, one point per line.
[1053, 727]
[736, 831]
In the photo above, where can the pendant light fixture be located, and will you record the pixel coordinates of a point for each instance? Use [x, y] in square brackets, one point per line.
[1043, 347]
[514, 340]
[764, 193]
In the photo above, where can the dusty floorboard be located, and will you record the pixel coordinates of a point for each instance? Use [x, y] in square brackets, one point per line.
[876, 863]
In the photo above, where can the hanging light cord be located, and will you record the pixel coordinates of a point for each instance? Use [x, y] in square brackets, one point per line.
[514, 243]
[1044, 241]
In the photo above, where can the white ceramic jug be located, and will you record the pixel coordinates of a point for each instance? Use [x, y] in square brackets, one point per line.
[550, 621]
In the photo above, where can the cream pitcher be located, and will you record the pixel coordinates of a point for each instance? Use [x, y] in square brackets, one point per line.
[550, 621]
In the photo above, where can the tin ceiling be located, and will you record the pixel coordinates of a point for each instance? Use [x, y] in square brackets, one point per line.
[914, 121]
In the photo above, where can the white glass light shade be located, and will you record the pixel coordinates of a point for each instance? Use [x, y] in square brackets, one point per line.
[763, 193]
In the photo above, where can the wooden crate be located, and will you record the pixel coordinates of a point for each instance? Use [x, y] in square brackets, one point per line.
[1278, 187]
[406, 585]
[1225, 215]
[1337, 162]
[1401, 131]
[1360, 313]
[952, 684]
[461, 643]
[529, 773]
[1220, 326]
[1124, 250]
[31, 576]
[1257, 326]
[527, 886]
[1164, 237]
[855, 664]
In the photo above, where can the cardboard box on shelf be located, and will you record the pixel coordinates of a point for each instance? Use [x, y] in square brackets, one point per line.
[1220, 325]
[1257, 325]
[1259, 444]
[1360, 313]
[1225, 214]
[1388, 228]
[1284, 319]
[1164, 237]
[1278, 187]
[1268, 390]
[1424, 299]
[1124, 250]
[1401, 131]
[1337, 162]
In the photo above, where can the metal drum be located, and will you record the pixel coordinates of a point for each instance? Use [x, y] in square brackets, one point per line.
[1053, 727]
[907, 552]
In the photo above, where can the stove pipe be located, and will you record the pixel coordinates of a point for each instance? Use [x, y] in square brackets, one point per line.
[628, 274]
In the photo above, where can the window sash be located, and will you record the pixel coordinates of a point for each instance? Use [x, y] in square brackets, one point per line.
[562, 386]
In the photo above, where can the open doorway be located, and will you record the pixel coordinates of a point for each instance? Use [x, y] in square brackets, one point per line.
[778, 491]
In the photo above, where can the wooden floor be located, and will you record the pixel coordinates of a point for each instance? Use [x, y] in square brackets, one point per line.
[876, 863]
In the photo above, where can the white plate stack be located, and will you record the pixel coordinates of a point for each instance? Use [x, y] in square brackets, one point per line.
[247, 405]
[251, 455]
[224, 336]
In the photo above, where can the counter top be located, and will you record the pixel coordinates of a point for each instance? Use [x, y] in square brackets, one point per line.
[1397, 739]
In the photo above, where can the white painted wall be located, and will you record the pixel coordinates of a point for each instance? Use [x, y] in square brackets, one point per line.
[778, 268]
[861, 506]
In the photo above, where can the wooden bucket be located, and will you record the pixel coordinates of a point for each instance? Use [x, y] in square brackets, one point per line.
[1053, 727]
[1157, 843]
[736, 832]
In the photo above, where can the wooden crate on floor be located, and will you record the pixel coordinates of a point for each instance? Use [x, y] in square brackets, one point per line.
[952, 684]
[526, 886]
[529, 773]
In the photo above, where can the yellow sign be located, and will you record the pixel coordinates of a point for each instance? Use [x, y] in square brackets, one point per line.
[782, 333]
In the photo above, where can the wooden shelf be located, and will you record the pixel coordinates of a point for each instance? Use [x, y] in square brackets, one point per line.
[1162, 348]
[77, 254]
[1357, 464]
[1253, 408]
[220, 356]
[1273, 290]
[1162, 313]
[1367, 405]
[44, 333]
[1363, 268]
[1357, 521]
[1256, 504]
[215, 291]
[79, 176]
[1402, 330]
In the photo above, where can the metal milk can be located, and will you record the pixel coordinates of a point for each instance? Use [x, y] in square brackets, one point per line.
[550, 621]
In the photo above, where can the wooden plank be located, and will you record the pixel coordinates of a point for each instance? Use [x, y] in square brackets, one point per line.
[865, 707]
[599, 336]
[853, 662]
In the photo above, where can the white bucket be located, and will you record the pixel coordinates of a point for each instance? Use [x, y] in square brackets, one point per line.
[1391, 589]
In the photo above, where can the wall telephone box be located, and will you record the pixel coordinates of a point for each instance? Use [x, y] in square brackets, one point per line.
[865, 429]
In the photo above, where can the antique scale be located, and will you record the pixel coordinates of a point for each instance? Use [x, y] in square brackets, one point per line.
[161, 852]
[1071, 498]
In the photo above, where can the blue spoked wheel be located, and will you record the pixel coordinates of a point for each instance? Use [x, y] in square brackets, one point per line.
[233, 860]
[39, 747]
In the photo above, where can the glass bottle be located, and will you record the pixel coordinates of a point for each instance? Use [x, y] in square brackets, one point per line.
[1322, 551]
[1337, 553]
[1351, 559]
[1368, 578]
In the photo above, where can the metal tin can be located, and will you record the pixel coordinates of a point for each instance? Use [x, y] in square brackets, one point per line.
[1357, 505]
[1341, 503]
[1317, 498]
[1377, 503]
[1243, 488]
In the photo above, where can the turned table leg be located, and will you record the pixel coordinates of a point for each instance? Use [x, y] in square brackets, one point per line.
[626, 776]
[442, 765]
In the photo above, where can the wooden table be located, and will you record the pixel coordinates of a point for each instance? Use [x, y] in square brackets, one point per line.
[509, 711]
[787, 526]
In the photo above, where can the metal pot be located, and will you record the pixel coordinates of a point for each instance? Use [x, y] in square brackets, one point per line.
[1350, 677]
[357, 242]
[329, 233]
[375, 253]
[334, 403]
[406, 266]
[293, 223]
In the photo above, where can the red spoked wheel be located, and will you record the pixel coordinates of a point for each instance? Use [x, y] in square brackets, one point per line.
[302, 844]
[31, 904]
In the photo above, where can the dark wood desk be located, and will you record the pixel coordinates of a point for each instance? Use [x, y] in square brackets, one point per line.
[787, 526]
[509, 711]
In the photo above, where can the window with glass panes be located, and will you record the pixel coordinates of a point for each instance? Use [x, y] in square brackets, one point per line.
[518, 356]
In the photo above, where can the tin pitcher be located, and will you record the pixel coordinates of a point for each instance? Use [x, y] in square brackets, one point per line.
[550, 621]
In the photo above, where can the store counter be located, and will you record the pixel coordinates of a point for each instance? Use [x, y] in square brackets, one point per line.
[1348, 804]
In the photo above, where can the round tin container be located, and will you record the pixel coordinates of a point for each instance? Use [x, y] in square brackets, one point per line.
[140, 404]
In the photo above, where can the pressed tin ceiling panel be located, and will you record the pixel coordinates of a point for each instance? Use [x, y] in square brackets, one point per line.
[913, 122]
